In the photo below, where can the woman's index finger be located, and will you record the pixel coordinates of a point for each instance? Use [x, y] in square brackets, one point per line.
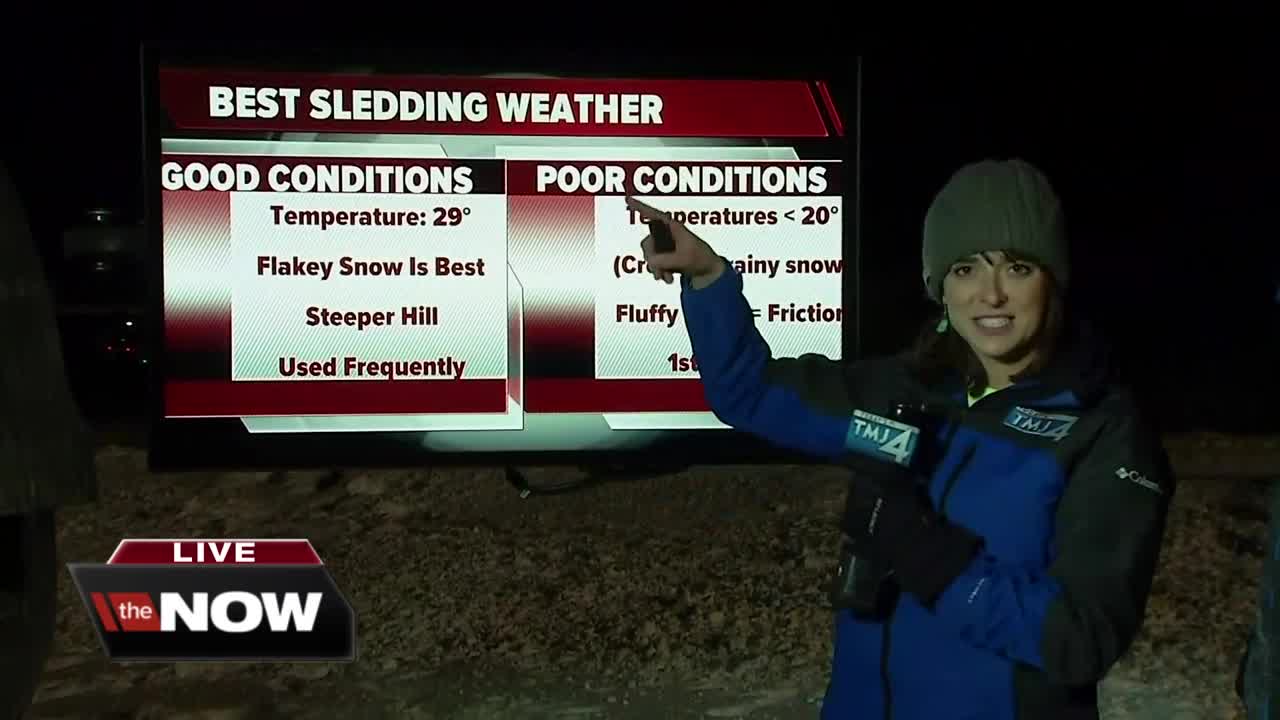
[646, 211]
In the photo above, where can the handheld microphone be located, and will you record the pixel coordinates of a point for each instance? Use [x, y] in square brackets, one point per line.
[862, 585]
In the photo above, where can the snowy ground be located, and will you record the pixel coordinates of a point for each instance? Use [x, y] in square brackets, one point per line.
[692, 595]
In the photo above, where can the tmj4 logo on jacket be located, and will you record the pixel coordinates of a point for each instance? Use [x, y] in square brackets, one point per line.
[1055, 427]
[191, 600]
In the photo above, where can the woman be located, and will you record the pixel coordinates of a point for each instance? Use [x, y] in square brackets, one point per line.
[1025, 568]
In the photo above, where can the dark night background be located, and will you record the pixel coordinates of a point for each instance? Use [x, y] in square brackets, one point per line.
[1157, 153]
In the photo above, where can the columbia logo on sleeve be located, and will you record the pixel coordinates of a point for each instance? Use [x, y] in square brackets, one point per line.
[1139, 478]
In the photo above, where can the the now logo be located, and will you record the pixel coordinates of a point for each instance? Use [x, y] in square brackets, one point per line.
[217, 600]
[235, 611]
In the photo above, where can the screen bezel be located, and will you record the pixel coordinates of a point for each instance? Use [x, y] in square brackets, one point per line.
[175, 445]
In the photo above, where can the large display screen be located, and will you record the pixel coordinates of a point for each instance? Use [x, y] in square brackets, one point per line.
[357, 266]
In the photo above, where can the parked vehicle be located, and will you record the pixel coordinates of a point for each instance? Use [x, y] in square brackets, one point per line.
[101, 291]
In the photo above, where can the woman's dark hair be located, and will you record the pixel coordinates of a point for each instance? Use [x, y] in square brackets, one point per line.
[935, 356]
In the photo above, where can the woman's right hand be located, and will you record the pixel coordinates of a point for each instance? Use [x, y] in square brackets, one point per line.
[692, 256]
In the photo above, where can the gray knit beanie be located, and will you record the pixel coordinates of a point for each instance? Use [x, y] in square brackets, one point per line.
[995, 205]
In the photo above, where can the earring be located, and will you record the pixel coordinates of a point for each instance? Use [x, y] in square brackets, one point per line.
[944, 323]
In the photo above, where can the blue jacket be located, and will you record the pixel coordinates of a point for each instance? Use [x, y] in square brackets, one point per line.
[1062, 479]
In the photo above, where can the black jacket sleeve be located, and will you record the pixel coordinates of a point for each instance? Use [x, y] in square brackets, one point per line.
[1110, 527]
